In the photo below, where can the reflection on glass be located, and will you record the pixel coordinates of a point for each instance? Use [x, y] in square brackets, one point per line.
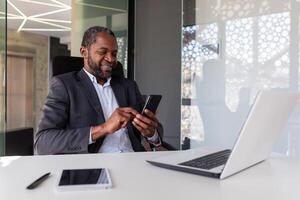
[232, 50]
[83, 177]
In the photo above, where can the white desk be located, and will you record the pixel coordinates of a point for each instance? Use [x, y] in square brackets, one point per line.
[133, 178]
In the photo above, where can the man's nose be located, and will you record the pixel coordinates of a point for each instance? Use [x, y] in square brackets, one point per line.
[110, 58]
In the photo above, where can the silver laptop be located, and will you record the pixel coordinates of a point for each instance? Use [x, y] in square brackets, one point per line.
[265, 121]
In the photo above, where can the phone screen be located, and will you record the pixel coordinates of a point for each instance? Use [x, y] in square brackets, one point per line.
[84, 177]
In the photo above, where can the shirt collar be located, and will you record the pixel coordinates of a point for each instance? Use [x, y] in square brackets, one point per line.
[94, 80]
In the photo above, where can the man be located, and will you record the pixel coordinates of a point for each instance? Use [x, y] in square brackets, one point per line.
[92, 111]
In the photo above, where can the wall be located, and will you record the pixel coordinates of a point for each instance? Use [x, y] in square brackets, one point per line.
[37, 46]
[158, 59]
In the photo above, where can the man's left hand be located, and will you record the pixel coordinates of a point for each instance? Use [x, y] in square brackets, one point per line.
[146, 123]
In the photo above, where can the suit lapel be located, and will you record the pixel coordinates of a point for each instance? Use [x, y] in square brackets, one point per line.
[135, 139]
[119, 92]
[90, 92]
[92, 96]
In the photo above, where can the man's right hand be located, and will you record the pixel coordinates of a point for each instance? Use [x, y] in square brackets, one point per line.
[119, 119]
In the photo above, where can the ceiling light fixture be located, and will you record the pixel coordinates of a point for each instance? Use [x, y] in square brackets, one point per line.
[49, 13]
[49, 23]
[42, 29]
[21, 26]
[45, 4]
[54, 20]
[103, 7]
[10, 16]
[61, 7]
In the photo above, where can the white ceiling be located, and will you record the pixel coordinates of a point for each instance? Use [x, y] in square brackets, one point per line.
[53, 17]
[46, 17]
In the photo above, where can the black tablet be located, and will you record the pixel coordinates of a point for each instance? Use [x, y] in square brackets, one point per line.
[75, 179]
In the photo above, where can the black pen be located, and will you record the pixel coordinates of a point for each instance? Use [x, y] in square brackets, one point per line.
[38, 181]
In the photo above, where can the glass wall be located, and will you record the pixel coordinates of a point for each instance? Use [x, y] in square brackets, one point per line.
[112, 14]
[231, 50]
[37, 32]
[2, 74]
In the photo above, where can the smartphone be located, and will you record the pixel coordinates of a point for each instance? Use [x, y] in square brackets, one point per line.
[82, 179]
[151, 103]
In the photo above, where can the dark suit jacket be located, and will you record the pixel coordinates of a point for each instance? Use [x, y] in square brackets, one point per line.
[72, 107]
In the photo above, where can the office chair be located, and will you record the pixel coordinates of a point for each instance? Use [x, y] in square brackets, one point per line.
[64, 64]
[19, 142]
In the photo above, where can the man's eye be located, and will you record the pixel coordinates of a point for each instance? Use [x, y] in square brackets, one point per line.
[101, 52]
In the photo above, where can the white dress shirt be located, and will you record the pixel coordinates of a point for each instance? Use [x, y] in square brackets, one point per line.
[118, 141]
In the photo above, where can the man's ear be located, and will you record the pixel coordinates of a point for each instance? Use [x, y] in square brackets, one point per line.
[84, 52]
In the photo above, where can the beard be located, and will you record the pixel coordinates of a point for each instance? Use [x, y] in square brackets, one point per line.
[101, 71]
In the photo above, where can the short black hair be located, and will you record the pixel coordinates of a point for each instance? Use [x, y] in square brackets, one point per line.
[89, 36]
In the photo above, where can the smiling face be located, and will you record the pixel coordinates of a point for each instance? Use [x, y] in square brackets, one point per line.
[101, 56]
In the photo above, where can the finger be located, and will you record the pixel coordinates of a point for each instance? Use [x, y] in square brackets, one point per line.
[137, 126]
[143, 125]
[140, 123]
[129, 110]
[144, 132]
[150, 115]
[124, 124]
[127, 116]
[147, 120]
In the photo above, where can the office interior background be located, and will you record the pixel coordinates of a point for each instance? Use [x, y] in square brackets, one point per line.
[207, 58]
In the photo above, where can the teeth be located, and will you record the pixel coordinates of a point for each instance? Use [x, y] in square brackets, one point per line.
[106, 68]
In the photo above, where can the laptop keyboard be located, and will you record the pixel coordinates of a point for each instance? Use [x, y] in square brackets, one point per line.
[209, 161]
